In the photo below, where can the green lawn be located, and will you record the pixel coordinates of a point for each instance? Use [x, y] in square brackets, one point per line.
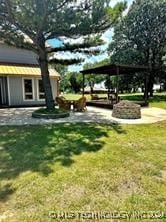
[159, 99]
[81, 167]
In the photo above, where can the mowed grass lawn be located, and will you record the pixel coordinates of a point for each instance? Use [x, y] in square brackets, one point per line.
[81, 167]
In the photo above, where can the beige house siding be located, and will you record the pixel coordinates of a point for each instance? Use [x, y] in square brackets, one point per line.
[10, 54]
[16, 94]
[15, 65]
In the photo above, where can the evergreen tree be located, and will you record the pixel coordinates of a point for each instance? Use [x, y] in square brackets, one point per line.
[140, 38]
[30, 24]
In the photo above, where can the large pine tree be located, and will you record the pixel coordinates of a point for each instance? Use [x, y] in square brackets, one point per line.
[42, 20]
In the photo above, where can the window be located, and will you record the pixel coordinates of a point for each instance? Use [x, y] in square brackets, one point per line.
[41, 94]
[28, 89]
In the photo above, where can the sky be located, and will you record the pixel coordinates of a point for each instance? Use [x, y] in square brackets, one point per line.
[107, 36]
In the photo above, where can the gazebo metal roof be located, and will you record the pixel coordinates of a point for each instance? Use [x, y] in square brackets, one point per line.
[115, 69]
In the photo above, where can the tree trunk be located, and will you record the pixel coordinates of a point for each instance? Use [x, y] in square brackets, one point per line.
[134, 89]
[146, 89]
[152, 72]
[143, 88]
[151, 90]
[91, 90]
[43, 62]
[150, 84]
[164, 87]
[46, 84]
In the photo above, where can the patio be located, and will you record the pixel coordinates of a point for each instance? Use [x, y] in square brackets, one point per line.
[22, 116]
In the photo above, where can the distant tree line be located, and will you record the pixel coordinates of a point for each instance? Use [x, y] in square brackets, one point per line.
[139, 39]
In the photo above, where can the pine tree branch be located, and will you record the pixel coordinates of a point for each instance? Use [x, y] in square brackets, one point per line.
[65, 61]
[10, 18]
[43, 16]
[61, 5]
[8, 7]
[80, 47]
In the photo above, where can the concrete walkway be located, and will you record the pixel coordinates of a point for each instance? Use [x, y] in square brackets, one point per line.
[22, 116]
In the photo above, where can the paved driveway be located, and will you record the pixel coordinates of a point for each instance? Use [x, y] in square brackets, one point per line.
[22, 116]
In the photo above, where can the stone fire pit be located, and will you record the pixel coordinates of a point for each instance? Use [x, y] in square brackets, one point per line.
[126, 110]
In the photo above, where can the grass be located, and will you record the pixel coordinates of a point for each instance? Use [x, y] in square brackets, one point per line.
[81, 167]
[159, 99]
[72, 96]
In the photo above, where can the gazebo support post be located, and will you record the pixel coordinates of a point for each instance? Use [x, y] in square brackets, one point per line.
[117, 83]
[146, 89]
[108, 93]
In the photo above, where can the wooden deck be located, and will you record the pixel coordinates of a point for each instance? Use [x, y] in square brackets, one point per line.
[100, 103]
[108, 105]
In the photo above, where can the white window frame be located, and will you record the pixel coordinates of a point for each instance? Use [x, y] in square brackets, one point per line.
[8, 90]
[38, 93]
[33, 89]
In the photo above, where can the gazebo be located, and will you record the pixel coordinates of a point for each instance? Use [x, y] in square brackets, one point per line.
[116, 70]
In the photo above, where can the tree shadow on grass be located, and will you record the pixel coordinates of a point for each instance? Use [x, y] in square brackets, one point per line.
[35, 148]
[6, 191]
[158, 98]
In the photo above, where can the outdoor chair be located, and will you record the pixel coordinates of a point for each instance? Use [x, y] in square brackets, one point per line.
[62, 97]
[63, 103]
[80, 105]
[94, 97]
[112, 98]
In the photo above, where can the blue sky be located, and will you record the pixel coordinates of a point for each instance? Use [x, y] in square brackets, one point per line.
[107, 36]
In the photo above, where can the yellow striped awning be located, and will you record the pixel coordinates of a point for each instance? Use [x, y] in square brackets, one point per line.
[16, 70]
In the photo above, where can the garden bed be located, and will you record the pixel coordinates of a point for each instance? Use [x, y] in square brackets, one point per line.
[50, 114]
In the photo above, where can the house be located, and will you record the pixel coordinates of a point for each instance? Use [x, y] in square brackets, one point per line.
[97, 88]
[20, 78]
